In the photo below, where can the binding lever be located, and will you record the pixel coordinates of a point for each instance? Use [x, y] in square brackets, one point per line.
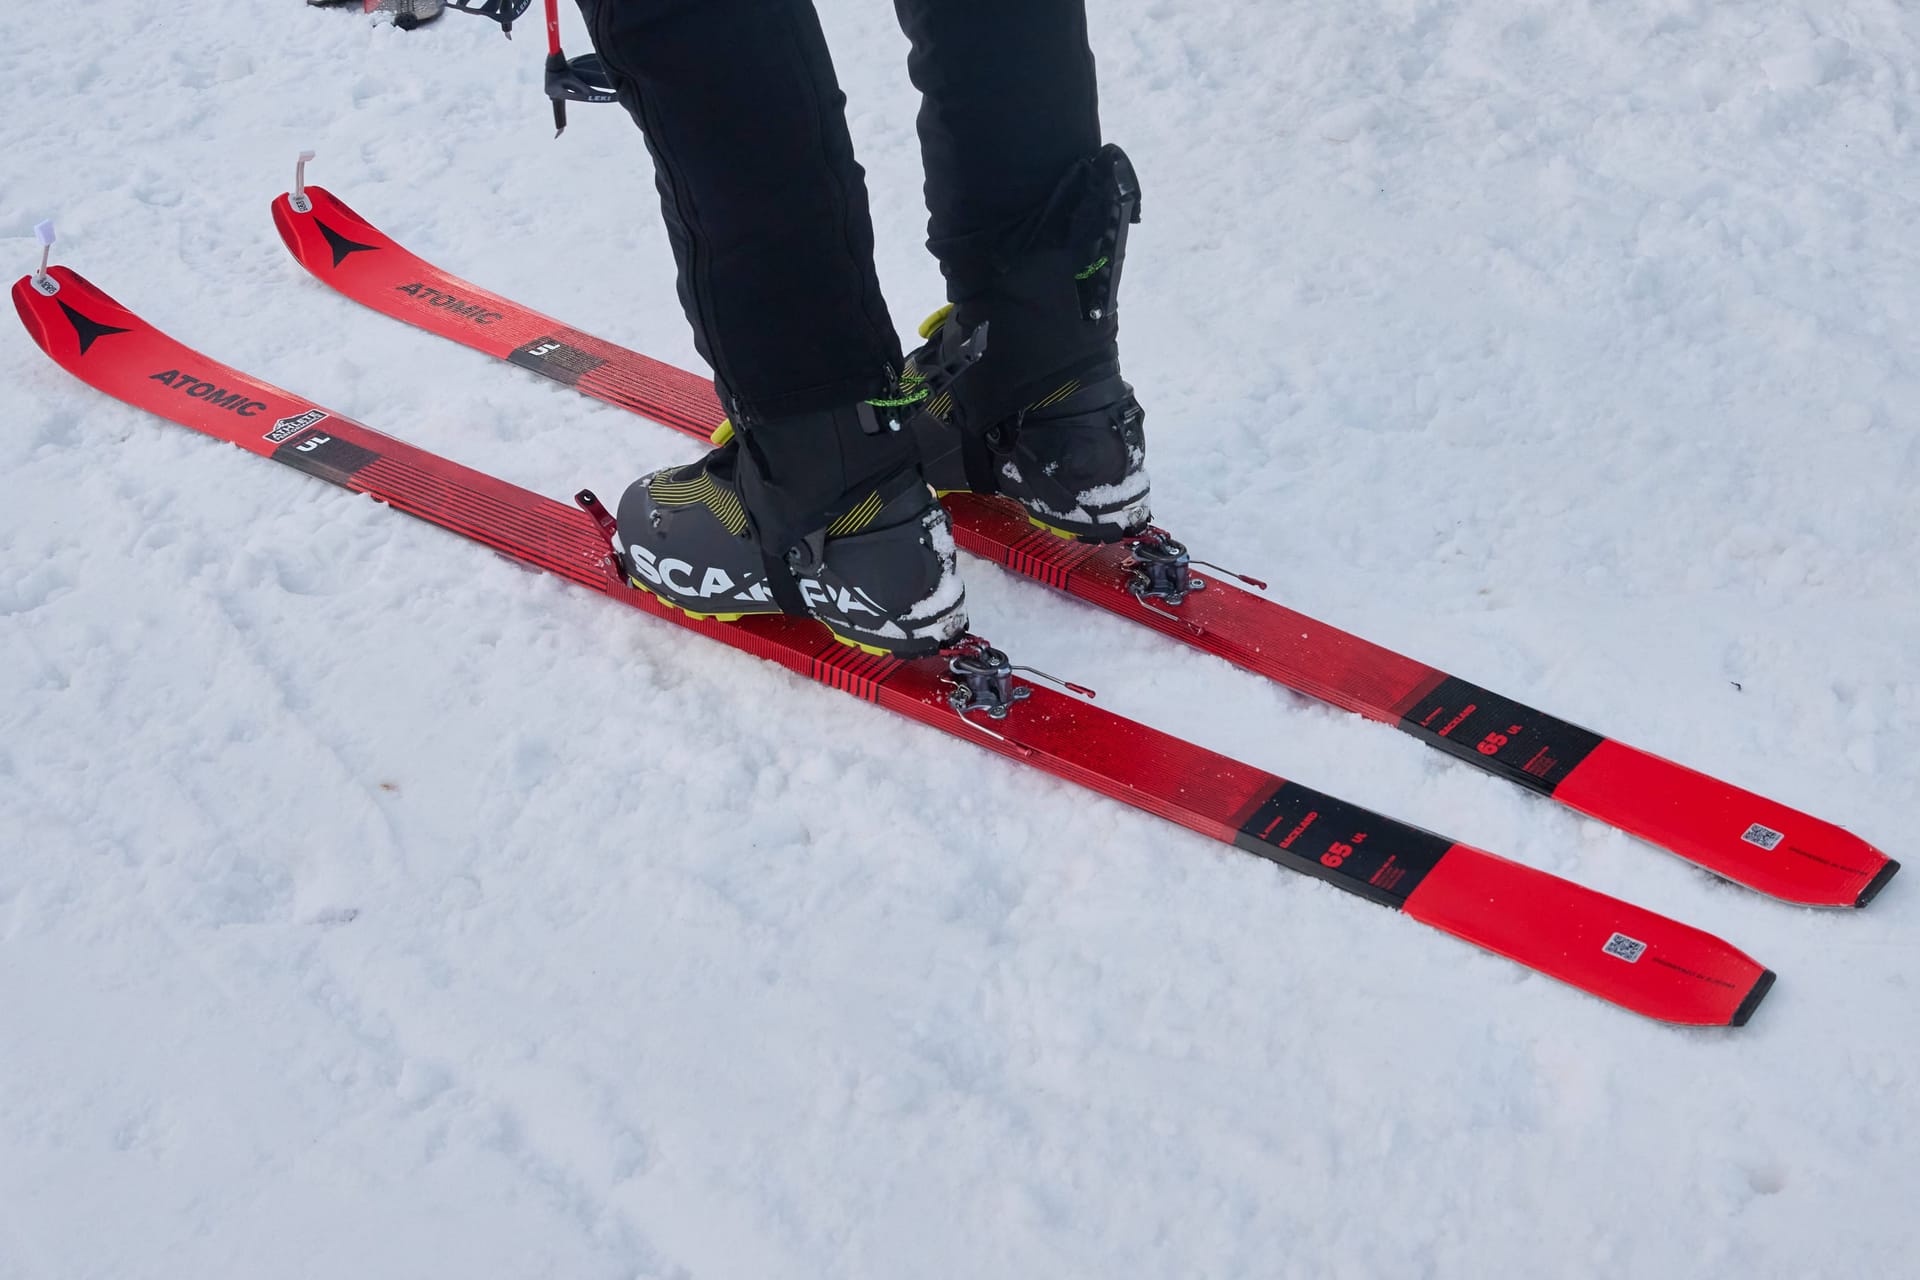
[602, 518]
[607, 527]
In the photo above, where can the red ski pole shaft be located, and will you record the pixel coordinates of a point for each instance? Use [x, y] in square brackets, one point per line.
[556, 63]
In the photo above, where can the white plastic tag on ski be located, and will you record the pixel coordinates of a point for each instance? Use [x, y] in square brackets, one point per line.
[43, 232]
[299, 199]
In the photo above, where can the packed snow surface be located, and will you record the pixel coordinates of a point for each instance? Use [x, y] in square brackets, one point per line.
[370, 907]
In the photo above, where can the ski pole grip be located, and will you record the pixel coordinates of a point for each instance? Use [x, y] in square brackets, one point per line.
[557, 86]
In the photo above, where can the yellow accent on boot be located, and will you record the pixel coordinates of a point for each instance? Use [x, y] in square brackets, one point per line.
[873, 649]
[697, 617]
[1055, 530]
[934, 321]
[1065, 391]
[858, 518]
[722, 433]
[861, 645]
[701, 490]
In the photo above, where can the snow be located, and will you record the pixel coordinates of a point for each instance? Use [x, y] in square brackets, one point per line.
[951, 587]
[370, 907]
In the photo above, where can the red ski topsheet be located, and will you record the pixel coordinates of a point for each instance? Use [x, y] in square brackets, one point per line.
[1619, 952]
[1734, 833]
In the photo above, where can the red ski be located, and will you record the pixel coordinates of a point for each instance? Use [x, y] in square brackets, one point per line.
[1612, 949]
[1734, 833]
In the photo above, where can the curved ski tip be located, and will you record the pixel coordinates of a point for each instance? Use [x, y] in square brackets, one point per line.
[30, 314]
[1761, 986]
[1875, 885]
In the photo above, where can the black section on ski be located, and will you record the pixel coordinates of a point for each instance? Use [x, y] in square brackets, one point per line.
[328, 457]
[1357, 850]
[1754, 997]
[89, 330]
[552, 358]
[1501, 736]
[341, 246]
[1878, 883]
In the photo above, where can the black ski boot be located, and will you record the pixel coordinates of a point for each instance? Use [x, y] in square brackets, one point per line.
[407, 14]
[1044, 416]
[824, 514]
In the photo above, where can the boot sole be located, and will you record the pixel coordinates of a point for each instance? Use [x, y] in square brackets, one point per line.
[877, 651]
[1098, 538]
[697, 616]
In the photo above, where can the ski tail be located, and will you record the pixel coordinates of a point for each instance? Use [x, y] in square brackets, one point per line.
[1730, 831]
[1620, 952]
[1772, 847]
[1674, 972]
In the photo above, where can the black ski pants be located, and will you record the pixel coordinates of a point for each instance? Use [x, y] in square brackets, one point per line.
[766, 206]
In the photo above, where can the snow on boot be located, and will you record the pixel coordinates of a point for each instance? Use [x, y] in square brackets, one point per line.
[825, 514]
[1074, 456]
[407, 14]
[1043, 416]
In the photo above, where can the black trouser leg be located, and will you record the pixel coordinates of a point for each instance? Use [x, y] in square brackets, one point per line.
[1010, 132]
[1009, 103]
[764, 202]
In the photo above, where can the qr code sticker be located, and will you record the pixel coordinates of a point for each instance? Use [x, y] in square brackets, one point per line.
[1621, 947]
[1766, 837]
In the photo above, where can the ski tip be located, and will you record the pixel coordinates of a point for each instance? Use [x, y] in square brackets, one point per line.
[1875, 885]
[1761, 985]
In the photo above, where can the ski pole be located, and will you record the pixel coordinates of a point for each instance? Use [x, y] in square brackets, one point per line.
[556, 65]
